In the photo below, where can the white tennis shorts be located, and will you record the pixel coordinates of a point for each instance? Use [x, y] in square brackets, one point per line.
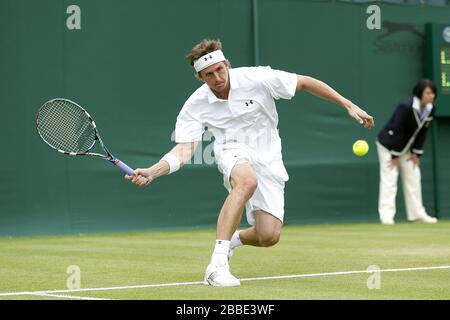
[269, 195]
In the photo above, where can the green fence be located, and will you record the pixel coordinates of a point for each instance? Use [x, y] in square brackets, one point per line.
[126, 66]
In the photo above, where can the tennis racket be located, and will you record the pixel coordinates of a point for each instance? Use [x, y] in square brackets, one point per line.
[66, 127]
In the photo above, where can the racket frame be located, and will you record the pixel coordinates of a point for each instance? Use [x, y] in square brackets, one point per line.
[109, 156]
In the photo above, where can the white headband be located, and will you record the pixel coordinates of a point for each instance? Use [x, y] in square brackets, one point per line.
[208, 59]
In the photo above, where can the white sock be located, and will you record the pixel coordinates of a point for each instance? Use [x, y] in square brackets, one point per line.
[235, 240]
[220, 254]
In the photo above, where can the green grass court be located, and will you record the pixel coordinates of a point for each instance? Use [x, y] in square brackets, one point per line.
[145, 258]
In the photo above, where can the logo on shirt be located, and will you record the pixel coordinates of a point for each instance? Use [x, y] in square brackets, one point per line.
[249, 103]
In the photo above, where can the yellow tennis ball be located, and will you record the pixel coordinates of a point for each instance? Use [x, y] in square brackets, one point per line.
[360, 148]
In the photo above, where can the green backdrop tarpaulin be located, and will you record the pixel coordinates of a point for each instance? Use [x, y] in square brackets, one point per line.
[126, 66]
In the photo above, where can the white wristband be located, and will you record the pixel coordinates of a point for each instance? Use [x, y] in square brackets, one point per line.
[174, 163]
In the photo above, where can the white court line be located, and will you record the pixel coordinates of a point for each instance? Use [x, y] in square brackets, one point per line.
[66, 296]
[102, 289]
[342, 273]
[48, 292]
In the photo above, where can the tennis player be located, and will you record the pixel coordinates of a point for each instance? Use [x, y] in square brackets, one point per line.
[237, 105]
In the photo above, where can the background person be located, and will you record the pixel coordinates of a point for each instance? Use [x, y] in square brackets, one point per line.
[400, 145]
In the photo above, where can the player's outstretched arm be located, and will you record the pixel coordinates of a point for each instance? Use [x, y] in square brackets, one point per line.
[181, 153]
[324, 91]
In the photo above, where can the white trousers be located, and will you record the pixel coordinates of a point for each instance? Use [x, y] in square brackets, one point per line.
[411, 183]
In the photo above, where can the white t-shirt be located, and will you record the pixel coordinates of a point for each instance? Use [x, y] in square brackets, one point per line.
[248, 118]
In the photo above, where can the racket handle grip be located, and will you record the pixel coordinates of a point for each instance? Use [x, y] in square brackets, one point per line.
[124, 167]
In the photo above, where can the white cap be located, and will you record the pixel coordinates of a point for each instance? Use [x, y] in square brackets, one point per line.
[208, 60]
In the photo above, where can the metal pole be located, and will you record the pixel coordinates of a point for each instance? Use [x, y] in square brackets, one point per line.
[435, 168]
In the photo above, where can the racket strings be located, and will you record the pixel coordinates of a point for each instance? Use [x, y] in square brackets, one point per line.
[66, 127]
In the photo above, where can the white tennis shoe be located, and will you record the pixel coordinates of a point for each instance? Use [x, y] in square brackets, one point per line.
[387, 221]
[426, 219]
[220, 276]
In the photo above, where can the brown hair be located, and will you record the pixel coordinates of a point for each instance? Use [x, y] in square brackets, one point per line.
[204, 47]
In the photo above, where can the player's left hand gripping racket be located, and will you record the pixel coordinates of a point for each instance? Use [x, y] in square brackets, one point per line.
[69, 129]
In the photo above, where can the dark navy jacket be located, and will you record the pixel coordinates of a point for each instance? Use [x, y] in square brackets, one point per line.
[405, 129]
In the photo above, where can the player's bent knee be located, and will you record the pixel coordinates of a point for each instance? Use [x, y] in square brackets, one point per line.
[269, 239]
